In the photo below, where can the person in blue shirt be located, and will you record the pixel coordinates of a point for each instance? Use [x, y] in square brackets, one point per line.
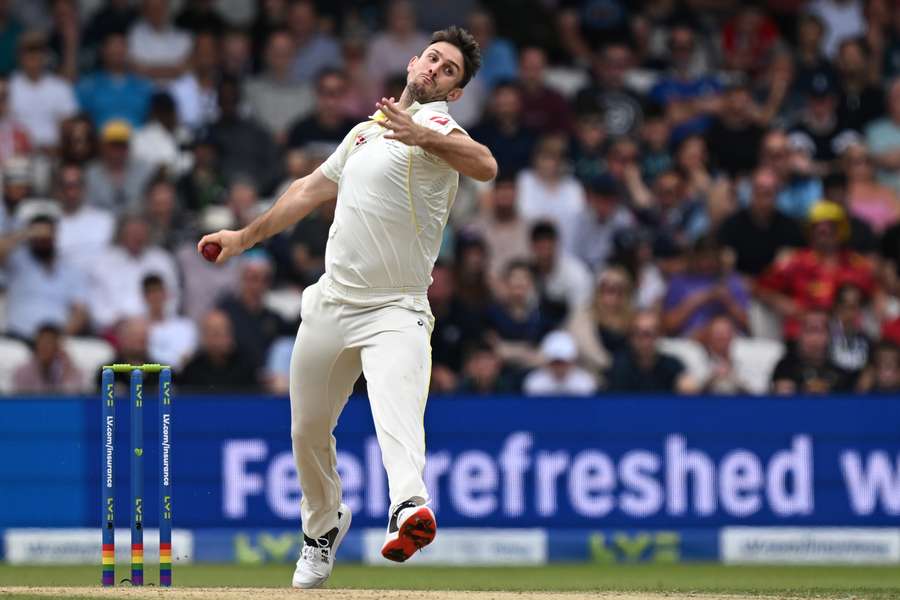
[115, 92]
[690, 99]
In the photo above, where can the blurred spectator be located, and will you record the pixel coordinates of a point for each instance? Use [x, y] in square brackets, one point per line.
[246, 149]
[204, 283]
[116, 180]
[807, 369]
[516, 320]
[874, 203]
[862, 238]
[706, 290]
[500, 226]
[200, 15]
[38, 99]
[544, 109]
[747, 39]
[273, 97]
[637, 252]
[860, 100]
[254, 325]
[10, 30]
[314, 50]
[810, 58]
[43, 287]
[817, 126]
[14, 139]
[559, 376]
[808, 279]
[642, 368]
[84, 232]
[608, 93]
[791, 160]
[131, 338]
[451, 331]
[621, 164]
[850, 346]
[219, 365]
[498, 55]
[157, 48]
[270, 16]
[600, 329]
[673, 214]
[172, 339]
[236, 59]
[546, 191]
[563, 282]
[300, 254]
[883, 374]
[49, 370]
[361, 92]
[322, 131]
[735, 134]
[503, 130]
[727, 375]
[757, 233]
[391, 49]
[883, 139]
[115, 92]
[158, 142]
[112, 17]
[483, 373]
[243, 201]
[841, 19]
[471, 281]
[204, 184]
[195, 92]
[656, 154]
[169, 225]
[438, 14]
[690, 98]
[64, 39]
[587, 145]
[17, 185]
[77, 139]
[602, 218]
[116, 276]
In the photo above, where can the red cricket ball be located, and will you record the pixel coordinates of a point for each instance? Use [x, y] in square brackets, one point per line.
[211, 251]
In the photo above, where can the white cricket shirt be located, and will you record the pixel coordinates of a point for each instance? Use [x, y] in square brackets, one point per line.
[392, 205]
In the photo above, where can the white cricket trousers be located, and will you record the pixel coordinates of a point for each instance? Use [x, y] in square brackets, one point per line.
[344, 333]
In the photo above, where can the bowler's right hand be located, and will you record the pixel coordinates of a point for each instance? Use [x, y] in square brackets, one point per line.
[230, 241]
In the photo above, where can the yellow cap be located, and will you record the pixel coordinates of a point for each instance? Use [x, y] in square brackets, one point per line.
[116, 130]
[828, 211]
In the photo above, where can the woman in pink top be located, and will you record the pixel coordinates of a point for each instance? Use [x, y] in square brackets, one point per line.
[874, 203]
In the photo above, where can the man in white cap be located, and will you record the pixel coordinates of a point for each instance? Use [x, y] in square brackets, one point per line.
[560, 376]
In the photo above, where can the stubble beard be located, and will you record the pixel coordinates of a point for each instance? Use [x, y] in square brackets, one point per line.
[419, 93]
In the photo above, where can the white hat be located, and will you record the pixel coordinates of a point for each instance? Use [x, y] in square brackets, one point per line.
[559, 346]
[32, 208]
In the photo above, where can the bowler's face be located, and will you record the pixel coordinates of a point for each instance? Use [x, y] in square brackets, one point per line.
[436, 74]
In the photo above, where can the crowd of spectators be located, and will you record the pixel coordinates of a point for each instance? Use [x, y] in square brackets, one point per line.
[684, 187]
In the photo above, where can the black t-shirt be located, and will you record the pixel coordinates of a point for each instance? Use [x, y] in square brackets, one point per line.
[626, 376]
[756, 245]
[511, 149]
[857, 110]
[810, 378]
[890, 245]
[203, 375]
[735, 151]
[310, 133]
[253, 332]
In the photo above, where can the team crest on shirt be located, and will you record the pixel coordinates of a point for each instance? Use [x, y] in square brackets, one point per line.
[440, 120]
[360, 140]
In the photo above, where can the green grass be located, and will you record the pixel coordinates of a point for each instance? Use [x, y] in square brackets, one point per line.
[875, 583]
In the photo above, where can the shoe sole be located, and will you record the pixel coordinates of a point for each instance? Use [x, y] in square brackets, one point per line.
[417, 532]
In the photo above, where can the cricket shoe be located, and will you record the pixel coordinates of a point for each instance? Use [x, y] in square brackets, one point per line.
[317, 556]
[411, 528]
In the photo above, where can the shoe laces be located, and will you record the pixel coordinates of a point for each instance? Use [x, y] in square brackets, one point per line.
[321, 551]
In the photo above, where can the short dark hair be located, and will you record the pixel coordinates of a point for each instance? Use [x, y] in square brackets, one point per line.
[544, 230]
[152, 280]
[467, 45]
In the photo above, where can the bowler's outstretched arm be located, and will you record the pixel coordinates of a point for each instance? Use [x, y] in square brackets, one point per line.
[300, 199]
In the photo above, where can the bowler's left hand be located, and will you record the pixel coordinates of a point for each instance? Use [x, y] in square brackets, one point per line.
[400, 123]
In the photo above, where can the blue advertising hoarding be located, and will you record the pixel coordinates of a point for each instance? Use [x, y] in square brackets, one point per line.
[629, 463]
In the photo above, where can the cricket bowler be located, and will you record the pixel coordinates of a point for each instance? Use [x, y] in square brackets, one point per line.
[395, 177]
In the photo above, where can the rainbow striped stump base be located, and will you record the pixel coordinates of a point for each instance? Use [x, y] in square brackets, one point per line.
[165, 564]
[109, 564]
[137, 564]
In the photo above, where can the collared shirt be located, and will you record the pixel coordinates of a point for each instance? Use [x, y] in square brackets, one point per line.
[41, 105]
[393, 203]
[38, 295]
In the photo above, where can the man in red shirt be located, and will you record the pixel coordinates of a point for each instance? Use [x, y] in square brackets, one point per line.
[808, 278]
